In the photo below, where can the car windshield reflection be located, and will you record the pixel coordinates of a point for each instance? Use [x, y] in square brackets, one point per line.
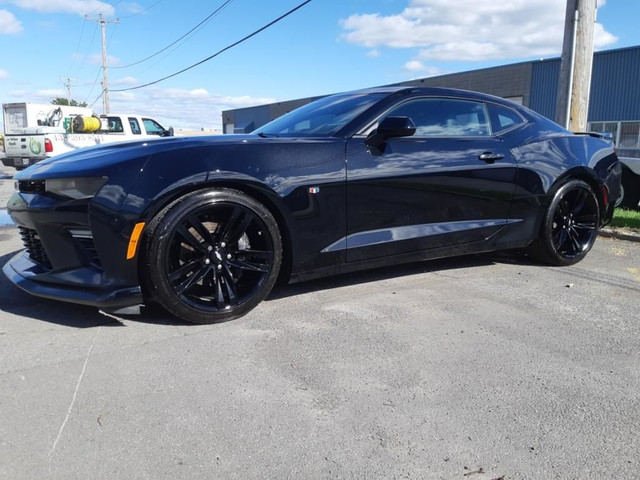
[324, 117]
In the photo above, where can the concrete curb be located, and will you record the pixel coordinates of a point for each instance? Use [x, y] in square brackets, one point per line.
[620, 234]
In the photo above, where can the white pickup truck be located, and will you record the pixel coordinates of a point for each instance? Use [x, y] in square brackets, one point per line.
[63, 131]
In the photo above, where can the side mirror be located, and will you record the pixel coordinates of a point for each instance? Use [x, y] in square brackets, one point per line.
[168, 133]
[391, 127]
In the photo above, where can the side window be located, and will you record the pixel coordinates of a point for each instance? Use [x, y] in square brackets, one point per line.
[115, 125]
[445, 117]
[503, 118]
[135, 126]
[152, 127]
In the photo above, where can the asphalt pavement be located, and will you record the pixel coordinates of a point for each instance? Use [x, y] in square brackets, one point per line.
[484, 367]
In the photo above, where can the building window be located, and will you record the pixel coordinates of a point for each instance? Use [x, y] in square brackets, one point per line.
[629, 134]
[626, 136]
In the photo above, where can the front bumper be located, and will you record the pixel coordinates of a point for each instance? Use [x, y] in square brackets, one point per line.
[70, 255]
[21, 270]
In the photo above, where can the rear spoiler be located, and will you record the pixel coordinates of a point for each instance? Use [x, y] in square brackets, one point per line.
[603, 135]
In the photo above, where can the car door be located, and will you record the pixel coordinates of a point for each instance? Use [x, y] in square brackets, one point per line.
[448, 184]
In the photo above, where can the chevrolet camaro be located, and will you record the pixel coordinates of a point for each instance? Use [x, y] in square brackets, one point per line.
[204, 226]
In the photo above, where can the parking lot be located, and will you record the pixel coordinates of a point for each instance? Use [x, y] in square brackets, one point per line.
[482, 367]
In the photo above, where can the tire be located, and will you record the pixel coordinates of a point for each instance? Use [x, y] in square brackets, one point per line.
[570, 225]
[212, 255]
[629, 191]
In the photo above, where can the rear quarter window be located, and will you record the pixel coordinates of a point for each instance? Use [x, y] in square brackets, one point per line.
[503, 118]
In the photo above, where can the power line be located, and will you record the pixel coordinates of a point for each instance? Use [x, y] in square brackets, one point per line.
[183, 36]
[97, 98]
[94, 85]
[142, 11]
[100, 7]
[86, 55]
[219, 51]
[77, 48]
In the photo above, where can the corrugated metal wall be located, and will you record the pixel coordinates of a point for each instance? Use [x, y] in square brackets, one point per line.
[544, 87]
[615, 86]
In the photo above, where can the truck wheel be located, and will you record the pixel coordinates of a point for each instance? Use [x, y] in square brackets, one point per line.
[629, 190]
[212, 255]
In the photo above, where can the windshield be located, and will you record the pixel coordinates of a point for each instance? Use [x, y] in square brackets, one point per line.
[324, 117]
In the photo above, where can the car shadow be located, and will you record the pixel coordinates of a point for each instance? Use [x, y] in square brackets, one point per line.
[402, 270]
[17, 302]
[21, 304]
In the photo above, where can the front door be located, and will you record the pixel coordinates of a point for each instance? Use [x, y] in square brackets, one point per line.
[450, 183]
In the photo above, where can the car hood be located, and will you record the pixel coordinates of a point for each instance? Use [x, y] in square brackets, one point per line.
[95, 160]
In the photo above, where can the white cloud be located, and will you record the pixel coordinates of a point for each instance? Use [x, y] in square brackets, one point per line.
[9, 24]
[80, 7]
[4, 74]
[415, 66]
[425, 70]
[602, 38]
[131, 81]
[187, 109]
[96, 59]
[373, 53]
[132, 8]
[51, 93]
[469, 29]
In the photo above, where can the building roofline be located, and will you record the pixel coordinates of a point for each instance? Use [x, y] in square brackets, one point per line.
[411, 83]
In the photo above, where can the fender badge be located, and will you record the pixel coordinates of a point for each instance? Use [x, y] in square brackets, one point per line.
[314, 190]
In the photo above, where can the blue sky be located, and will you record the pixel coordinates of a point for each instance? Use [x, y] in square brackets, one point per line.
[327, 46]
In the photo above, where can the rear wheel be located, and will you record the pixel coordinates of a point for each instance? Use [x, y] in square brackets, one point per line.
[212, 255]
[570, 225]
[629, 190]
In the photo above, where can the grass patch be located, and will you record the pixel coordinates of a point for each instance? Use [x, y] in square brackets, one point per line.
[626, 218]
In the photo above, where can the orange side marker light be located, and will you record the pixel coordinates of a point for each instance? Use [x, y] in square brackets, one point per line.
[133, 242]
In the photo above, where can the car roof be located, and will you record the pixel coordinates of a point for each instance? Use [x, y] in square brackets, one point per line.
[430, 91]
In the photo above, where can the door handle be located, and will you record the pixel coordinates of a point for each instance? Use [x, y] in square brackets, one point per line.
[491, 157]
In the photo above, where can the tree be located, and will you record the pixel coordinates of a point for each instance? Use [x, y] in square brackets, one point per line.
[64, 101]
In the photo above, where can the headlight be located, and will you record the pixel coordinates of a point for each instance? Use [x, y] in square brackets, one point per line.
[77, 188]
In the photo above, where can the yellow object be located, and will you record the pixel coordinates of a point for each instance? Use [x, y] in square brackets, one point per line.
[85, 124]
[133, 241]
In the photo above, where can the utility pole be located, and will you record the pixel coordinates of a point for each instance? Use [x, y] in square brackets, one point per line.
[105, 74]
[68, 85]
[572, 106]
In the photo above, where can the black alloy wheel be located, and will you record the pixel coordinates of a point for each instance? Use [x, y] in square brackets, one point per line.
[570, 225]
[213, 255]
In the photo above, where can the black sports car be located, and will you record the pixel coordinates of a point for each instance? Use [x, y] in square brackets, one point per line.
[204, 226]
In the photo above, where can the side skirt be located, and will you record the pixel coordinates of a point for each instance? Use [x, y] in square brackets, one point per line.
[488, 245]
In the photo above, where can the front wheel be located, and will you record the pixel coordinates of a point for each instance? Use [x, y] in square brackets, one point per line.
[570, 225]
[212, 255]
